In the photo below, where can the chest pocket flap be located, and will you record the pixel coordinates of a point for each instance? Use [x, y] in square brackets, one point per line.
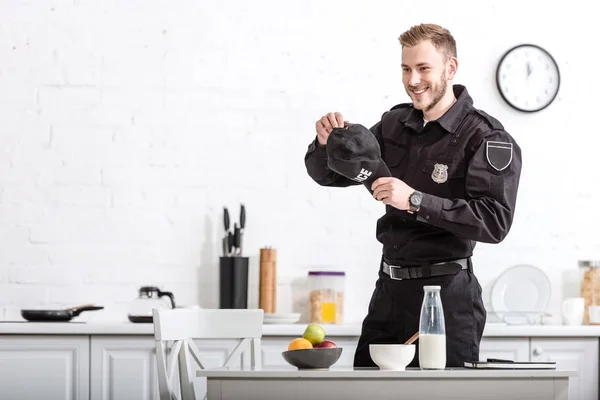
[392, 153]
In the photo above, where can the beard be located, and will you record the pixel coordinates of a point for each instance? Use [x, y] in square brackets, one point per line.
[437, 91]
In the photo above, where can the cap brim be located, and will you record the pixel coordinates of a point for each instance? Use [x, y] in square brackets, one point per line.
[382, 171]
[365, 172]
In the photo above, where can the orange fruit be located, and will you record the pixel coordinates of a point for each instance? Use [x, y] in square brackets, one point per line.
[300, 343]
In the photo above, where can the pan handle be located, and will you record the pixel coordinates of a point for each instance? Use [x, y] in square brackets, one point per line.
[87, 307]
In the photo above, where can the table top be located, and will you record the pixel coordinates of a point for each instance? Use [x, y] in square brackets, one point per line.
[371, 373]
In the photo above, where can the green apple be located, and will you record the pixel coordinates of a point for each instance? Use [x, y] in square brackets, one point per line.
[314, 333]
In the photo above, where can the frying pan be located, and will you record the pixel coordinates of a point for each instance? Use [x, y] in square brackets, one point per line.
[57, 315]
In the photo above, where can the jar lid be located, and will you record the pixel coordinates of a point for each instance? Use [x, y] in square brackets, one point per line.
[434, 287]
[326, 273]
[589, 263]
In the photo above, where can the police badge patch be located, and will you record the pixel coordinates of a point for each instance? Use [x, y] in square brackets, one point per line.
[440, 173]
[499, 154]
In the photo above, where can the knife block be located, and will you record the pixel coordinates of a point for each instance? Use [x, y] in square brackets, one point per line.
[233, 282]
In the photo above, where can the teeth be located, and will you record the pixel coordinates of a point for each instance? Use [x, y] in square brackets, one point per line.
[419, 91]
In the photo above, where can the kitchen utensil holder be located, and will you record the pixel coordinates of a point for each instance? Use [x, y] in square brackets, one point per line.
[233, 282]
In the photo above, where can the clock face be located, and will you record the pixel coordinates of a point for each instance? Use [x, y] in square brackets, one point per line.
[528, 78]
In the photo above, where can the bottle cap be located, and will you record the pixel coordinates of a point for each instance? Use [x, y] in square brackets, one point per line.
[437, 287]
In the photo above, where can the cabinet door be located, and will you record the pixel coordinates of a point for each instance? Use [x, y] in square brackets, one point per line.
[273, 346]
[572, 353]
[44, 367]
[516, 349]
[123, 368]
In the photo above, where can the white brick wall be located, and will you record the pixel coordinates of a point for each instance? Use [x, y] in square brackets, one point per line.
[125, 127]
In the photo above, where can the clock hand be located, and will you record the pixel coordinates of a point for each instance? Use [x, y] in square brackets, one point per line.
[528, 70]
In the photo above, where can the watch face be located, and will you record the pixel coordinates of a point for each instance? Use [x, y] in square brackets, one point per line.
[416, 198]
[528, 78]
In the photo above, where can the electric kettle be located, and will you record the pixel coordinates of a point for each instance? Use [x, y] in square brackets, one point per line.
[149, 298]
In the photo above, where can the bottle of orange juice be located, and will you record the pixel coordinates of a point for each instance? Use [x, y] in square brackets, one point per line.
[326, 297]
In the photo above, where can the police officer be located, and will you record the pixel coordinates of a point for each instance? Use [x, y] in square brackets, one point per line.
[455, 174]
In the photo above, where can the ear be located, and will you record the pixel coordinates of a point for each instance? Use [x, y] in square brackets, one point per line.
[451, 68]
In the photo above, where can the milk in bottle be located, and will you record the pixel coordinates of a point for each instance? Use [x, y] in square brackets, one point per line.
[432, 330]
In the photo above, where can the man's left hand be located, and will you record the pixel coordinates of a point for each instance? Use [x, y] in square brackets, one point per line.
[392, 191]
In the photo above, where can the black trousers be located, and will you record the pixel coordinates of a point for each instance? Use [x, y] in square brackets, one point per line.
[395, 308]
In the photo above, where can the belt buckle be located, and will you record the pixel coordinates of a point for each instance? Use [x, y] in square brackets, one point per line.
[392, 268]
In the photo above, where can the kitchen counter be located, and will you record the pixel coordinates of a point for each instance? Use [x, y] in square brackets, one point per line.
[233, 384]
[128, 328]
[410, 373]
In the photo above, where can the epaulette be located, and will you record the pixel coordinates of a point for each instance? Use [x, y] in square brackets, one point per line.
[493, 123]
[402, 105]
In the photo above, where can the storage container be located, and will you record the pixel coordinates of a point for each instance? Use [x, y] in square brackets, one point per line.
[326, 297]
[590, 291]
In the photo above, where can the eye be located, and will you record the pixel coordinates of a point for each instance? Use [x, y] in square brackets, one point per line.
[425, 69]
[405, 69]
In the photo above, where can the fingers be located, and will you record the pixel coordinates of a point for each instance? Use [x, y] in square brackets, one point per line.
[382, 194]
[322, 129]
[380, 181]
[325, 125]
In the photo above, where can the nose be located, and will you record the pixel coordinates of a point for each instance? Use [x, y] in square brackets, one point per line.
[414, 78]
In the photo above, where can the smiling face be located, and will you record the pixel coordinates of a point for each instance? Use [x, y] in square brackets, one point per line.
[426, 74]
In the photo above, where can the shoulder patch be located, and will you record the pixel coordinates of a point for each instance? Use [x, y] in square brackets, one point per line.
[498, 154]
[492, 122]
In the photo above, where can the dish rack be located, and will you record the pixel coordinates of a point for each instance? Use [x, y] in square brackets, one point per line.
[520, 317]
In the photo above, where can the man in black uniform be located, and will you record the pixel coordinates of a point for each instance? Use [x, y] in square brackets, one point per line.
[455, 174]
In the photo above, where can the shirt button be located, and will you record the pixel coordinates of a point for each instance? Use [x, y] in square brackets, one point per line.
[410, 165]
[427, 216]
[395, 247]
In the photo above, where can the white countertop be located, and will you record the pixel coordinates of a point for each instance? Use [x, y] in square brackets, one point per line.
[128, 328]
[370, 373]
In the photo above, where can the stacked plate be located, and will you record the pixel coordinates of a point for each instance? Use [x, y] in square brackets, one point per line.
[521, 293]
[281, 318]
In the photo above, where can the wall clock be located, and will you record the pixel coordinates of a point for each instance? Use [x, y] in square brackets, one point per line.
[528, 78]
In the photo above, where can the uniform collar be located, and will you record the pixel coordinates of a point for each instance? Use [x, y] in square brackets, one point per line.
[451, 118]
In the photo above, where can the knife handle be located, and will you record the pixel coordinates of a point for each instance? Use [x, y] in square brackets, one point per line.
[226, 220]
[242, 217]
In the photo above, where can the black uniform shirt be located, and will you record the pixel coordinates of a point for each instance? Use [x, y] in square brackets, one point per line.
[465, 163]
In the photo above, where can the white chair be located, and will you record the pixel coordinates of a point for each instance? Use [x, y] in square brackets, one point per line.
[181, 326]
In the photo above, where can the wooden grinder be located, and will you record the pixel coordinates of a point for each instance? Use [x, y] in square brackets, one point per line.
[268, 280]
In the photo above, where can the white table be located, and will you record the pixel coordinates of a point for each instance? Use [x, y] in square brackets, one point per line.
[350, 384]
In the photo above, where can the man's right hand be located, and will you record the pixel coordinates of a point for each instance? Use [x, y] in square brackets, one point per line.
[326, 124]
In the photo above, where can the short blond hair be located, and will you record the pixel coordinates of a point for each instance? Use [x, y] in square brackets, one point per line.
[441, 38]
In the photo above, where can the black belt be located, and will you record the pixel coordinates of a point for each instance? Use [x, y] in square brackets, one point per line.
[398, 272]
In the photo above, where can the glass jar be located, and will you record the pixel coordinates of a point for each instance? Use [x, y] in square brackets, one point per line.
[326, 297]
[432, 330]
[590, 291]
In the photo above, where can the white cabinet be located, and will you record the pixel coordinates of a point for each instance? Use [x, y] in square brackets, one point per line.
[102, 367]
[573, 353]
[44, 367]
[516, 349]
[123, 368]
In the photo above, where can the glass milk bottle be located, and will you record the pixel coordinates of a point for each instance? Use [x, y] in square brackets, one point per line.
[432, 330]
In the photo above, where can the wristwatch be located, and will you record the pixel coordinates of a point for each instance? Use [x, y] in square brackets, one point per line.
[414, 201]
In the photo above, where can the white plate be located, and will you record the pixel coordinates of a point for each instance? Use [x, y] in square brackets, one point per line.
[282, 318]
[520, 289]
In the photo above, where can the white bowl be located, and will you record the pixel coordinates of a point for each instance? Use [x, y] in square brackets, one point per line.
[392, 357]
